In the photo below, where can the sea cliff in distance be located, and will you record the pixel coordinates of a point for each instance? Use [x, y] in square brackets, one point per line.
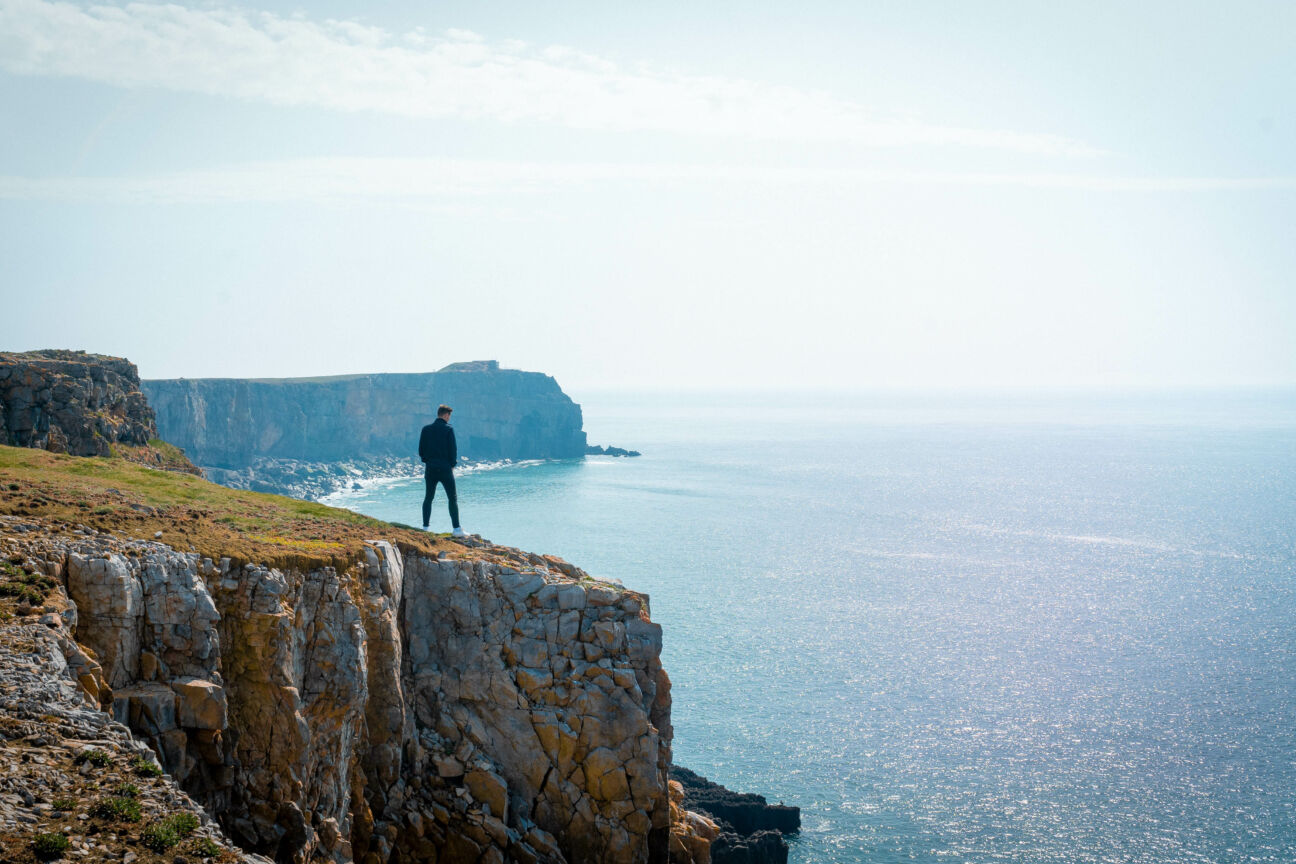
[311, 436]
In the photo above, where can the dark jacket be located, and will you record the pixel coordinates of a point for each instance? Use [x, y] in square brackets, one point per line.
[437, 445]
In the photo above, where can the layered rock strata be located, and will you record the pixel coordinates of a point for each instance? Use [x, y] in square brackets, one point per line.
[488, 705]
[499, 414]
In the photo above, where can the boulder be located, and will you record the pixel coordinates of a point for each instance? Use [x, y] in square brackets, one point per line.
[489, 788]
[200, 704]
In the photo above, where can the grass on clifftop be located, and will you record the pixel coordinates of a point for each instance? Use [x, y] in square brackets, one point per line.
[128, 500]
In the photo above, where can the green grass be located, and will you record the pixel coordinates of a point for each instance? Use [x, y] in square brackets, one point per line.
[97, 758]
[112, 494]
[204, 847]
[22, 592]
[20, 585]
[167, 832]
[145, 767]
[117, 810]
[168, 450]
[50, 846]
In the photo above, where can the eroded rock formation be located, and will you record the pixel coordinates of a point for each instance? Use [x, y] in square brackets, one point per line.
[72, 402]
[489, 705]
[741, 827]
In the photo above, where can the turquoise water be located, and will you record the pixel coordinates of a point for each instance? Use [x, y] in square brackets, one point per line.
[954, 630]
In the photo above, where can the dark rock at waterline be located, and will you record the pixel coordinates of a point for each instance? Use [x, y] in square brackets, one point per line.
[745, 812]
[752, 829]
[763, 847]
[596, 450]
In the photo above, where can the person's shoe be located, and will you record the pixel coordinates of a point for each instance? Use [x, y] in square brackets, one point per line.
[459, 532]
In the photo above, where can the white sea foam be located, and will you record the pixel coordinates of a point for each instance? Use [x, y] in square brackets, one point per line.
[367, 485]
[478, 467]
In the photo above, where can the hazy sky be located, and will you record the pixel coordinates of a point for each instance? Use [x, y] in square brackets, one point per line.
[666, 194]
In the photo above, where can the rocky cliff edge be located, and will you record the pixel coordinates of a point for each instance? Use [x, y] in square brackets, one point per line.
[401, 698]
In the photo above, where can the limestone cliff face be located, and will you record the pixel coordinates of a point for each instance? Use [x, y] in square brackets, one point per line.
[499, 414]
[72, 402]
[489, 705]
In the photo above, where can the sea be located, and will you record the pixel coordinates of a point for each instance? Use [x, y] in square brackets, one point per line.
[952, 627]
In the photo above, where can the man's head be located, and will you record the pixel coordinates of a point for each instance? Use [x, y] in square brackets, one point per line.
[443, 412]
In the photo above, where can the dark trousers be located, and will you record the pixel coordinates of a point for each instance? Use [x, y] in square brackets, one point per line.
[444, 476]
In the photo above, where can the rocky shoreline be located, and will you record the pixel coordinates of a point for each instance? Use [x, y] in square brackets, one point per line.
[597, 450]
[316, 481]
[311, 481]
[751, 830]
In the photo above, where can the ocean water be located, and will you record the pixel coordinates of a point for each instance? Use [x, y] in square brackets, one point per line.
[953, 629]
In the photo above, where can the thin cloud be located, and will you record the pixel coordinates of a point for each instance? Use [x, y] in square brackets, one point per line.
[348, 66]
[435, 181]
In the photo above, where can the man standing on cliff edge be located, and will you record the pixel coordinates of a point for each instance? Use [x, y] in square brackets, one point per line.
[438, 451]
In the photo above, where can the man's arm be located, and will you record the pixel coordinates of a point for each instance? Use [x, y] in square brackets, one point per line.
[423, 444]
[454, 450]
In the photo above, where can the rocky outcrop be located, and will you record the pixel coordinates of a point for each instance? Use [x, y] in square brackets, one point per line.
[81, 404]
[499, 414]
[742, 827]
[72, 402]
[483, 706]
[597, 450]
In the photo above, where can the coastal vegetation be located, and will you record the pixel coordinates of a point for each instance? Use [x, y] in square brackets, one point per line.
[117, 496]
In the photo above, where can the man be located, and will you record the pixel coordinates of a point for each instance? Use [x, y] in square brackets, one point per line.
[438, 451]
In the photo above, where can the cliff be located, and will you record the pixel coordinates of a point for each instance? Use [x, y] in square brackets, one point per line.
[499, 414]
[82, 404]
[337, 689]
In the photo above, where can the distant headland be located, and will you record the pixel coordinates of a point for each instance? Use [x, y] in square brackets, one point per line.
[308, 437]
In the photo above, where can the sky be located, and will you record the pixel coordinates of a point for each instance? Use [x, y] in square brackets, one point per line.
[667, 195]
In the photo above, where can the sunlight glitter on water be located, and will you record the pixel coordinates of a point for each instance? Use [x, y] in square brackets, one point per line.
[1041, 643]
